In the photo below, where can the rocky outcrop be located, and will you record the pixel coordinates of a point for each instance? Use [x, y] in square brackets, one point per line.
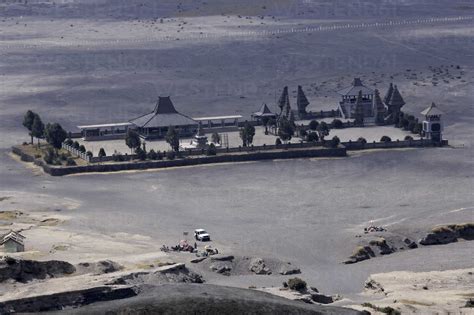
[100, 267]
[382, 246]
[26, 270]
[446, 234]
[360, 253]
[221, 267]
[257, 265]
[61, 300]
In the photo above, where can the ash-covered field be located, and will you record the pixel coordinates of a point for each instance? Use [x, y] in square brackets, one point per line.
[79, 63]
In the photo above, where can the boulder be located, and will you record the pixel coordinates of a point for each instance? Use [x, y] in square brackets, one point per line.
[222, 268]
[288, 269]
[257, 265]
[381, 243]
[411, 244]
[321, 298]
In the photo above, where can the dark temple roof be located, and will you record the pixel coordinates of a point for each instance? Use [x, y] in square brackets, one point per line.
[354, 89]
[164, 115]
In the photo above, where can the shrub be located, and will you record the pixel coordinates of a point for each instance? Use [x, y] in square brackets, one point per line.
[296, 284]
[170, 155]
[82, 148]
[408, 138]
[337, 124]
[89, 154]
[362, 140]
[102, 153]
[211, 150]
[278, 141]
[313, 125]
[70, 162]
[303, 133]
[118, 157]
[385, 139]
[76, 145]
[69, 141]
[334, 142]
[159, 155]
[312, 137]
[141, 154]
[152, 155]
[50, 156]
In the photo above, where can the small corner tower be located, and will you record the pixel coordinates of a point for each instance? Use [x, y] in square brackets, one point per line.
[432, 125]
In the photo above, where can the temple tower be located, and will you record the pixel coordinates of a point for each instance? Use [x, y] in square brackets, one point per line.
[379, 109]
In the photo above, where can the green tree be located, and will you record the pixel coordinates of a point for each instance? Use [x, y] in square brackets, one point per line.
[277, 142]
[337, 124]
[152, 155]
[55, 135]
[362, 140]
[216, 138]
[37, 129]
[313, 125]
[211, 150]
[312, 137]
[102, 153]
[82, 148]
[132, 140]
[334, 142]
[28, 122]
[285, 129]
[323, 130]
[385, 139]
[89, 154]
[172, 137]
[247, 133]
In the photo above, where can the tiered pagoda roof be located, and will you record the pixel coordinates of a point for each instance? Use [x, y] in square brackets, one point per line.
[164, 115]
[354, 89]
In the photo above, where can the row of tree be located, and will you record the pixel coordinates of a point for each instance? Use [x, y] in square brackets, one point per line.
[52, 132]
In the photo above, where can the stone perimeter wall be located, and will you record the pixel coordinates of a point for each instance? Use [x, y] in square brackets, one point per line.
[142, 165]
[307, 152]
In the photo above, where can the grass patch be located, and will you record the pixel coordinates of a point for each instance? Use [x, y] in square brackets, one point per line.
[386, 310]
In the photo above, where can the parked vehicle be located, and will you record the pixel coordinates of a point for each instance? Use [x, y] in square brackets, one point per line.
[201, 235]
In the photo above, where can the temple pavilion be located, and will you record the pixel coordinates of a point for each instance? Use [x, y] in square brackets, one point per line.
[155, 124]
[350, 98]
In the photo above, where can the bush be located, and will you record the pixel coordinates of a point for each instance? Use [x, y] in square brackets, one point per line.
[362, 140]
[170, 155]
[337, 124]
[408, 138]
[50, 156]
[118, 157]
[152, 155]
[211, 150]
[385, 139]
[159, 155]
[89, 154]
[296, 284]
[303, 133]
[278, 141]
[312, 137]
[334, 142]
[102, 153]
[141, 154]
[82, 148]
[313, 125]
[69, 141]
[71, 162]
[76, 145]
